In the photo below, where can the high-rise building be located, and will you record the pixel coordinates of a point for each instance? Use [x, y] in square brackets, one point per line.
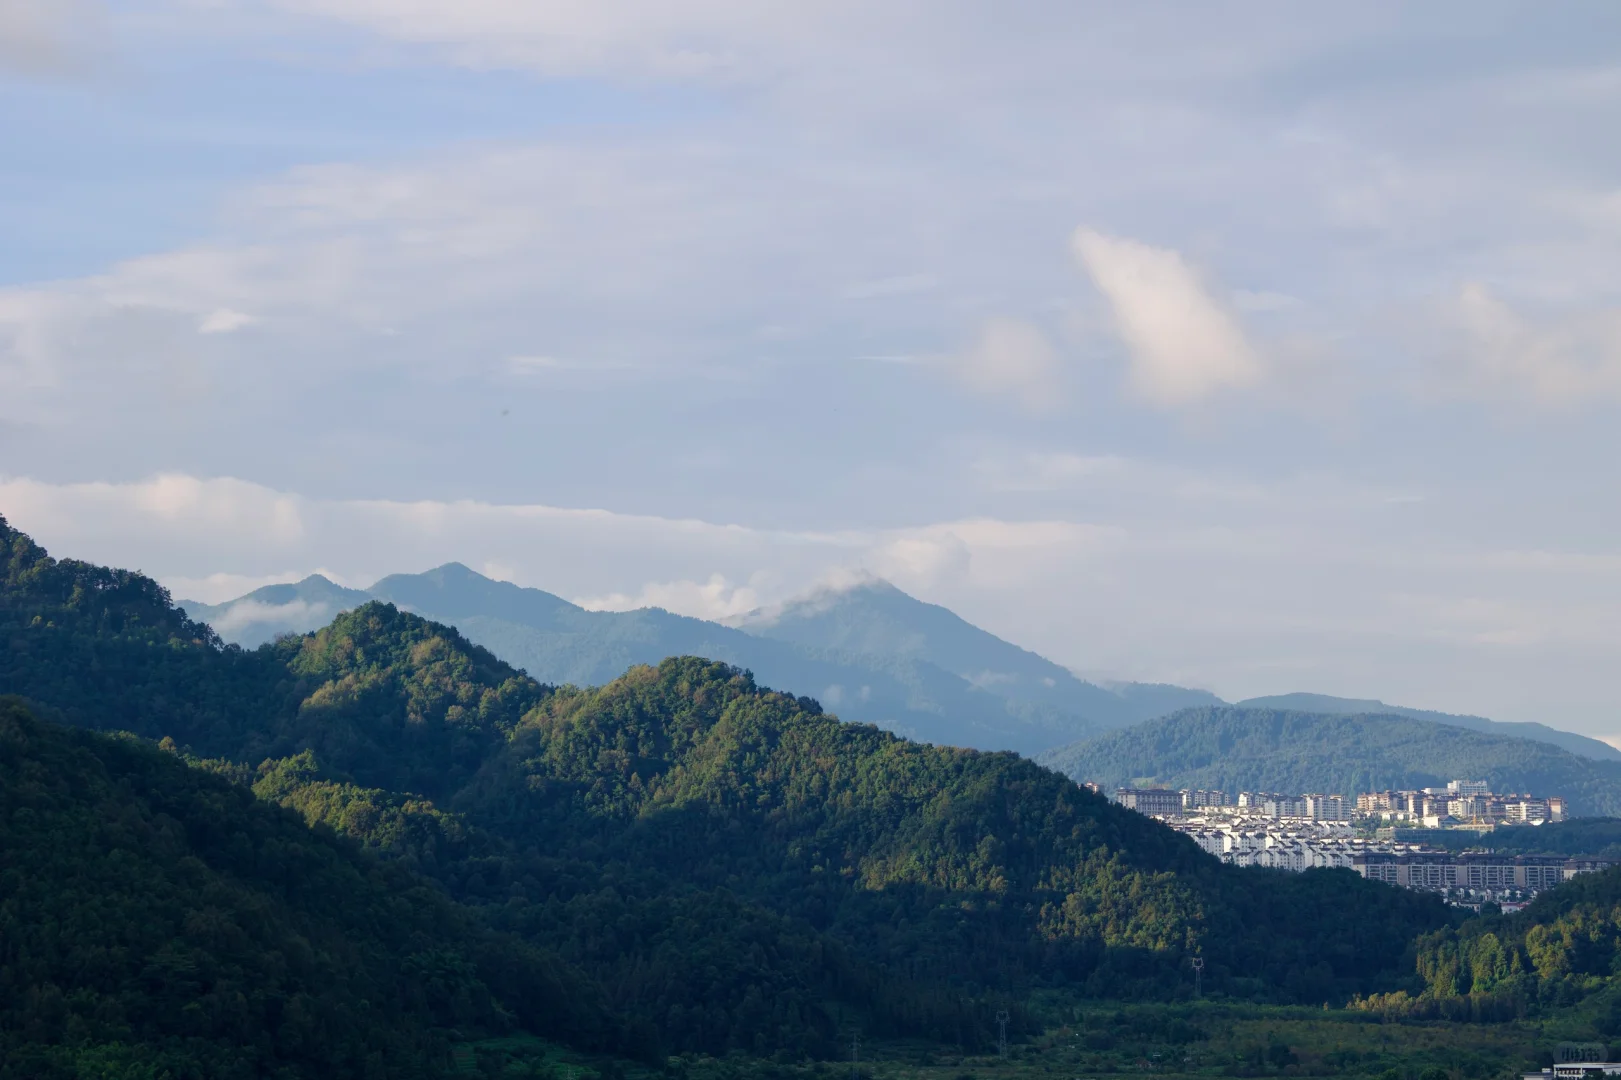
[1326, 808]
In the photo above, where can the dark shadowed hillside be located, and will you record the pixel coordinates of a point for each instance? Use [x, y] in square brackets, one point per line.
[159, 920]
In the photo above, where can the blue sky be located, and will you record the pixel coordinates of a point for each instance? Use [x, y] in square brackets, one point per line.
[1245, 346]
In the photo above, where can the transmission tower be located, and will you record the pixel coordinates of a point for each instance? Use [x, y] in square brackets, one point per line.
[1001, 1033]
[855, 1056]
[1198, 976]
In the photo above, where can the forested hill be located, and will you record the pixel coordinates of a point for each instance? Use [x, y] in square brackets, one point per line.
[156, 920]
[737, 869]
[1580, 745]
[1562, 950]
[1237, 749]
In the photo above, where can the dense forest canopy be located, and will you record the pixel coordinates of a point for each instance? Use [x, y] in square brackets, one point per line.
[1234, 749]
[1561, 952]
[153, 915]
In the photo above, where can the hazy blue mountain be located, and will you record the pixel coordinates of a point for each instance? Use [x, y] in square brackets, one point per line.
[877, 619]
[559, 642]
[1150, 700]
[264, 614]
[1237, 749]
[1580, 745]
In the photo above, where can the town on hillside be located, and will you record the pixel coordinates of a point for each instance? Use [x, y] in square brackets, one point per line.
[1300, 832]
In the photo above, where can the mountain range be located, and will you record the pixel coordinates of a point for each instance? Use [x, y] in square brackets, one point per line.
[868, 651]
[871, 652]
[379, 841]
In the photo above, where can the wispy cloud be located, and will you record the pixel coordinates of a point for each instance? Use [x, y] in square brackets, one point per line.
[1184, 345]
[1559, 362]
[1011, 358]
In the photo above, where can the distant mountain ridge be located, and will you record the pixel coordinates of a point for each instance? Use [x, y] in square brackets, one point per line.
[1580, 745]
[874, 618]
[1236, 749]
[871, 653]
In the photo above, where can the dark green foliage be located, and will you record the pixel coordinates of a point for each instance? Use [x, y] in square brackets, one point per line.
[1596, 837]
[153, 914]
[734, 868]
[1269, 750]
[106, 649]
[727, 859]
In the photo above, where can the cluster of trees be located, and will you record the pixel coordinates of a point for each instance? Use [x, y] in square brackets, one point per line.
[1563, 950]
[159, 920]
[730, 868]
[1595, 837]
[1249, 749]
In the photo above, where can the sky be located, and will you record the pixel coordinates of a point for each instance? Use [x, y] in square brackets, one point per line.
[1249, 346]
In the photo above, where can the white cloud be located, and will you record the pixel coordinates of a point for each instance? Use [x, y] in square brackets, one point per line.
[715, 599]
[249, 612]
[1560, 363]
[1183, 345]
[1013, 358]
[224, 321]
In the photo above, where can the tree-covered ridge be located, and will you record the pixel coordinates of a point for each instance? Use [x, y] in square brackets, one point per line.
[1563, 950]
[107, 649]
[154, 915]
[693, 734]
[1236, 749]
[1593, 837]
[396, 701]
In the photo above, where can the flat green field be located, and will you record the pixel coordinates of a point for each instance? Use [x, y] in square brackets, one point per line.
[1107, 1040]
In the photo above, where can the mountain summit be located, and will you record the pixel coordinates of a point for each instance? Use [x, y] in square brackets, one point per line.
[872, 652]
[872, 617]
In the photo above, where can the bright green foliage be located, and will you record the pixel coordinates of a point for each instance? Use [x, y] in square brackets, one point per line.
[1562, 950]
[155, 917]
[399, 702]
[1237, 749]
[950, 877]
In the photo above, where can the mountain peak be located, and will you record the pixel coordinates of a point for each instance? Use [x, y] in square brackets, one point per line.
[846, 588]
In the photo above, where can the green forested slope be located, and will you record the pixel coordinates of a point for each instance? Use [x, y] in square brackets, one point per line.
[1270, 750]
[1560, 955]
[153, 916]
[736, 869]
[1580, 745]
